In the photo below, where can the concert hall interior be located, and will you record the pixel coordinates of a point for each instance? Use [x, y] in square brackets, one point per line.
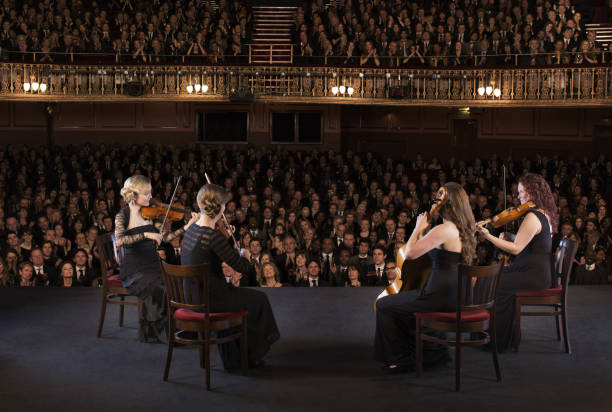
[305, 205]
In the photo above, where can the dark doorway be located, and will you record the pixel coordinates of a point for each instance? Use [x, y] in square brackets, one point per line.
[464, 138]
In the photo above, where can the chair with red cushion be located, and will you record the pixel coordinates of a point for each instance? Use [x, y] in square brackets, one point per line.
[188, 294]
[555, 297]
[111, 284]
[476, 292]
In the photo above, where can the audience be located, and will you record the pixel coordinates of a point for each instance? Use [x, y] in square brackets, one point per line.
[443, 33]
[130, 31]
[335, 220]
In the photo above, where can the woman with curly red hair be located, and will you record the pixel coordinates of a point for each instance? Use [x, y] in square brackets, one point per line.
[532, 246]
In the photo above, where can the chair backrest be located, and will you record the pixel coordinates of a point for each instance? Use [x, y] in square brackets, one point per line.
[477, 287]
[107, 250]
[564, 261]
[187, 287]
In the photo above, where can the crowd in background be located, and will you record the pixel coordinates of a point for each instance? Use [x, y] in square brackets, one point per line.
[135, 31]
[445, 33]
[311, 218]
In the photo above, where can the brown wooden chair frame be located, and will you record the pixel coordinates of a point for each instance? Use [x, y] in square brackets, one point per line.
[479, 294]
[188, 287]
[109, 266]
[564, 262]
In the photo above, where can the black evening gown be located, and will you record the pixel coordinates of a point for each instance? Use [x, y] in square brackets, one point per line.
[203, 244]
[140, 274]
[394, 342]
[530, 270]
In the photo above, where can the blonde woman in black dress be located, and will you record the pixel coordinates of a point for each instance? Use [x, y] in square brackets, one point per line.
[140, 272]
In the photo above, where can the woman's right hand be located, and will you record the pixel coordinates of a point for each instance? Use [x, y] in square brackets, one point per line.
[156, 237]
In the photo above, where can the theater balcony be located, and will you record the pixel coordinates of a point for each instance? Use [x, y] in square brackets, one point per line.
[107, 78]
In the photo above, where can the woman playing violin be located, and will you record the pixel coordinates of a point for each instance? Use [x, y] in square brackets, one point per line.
[204, 242]
[140, 272]
[532, 246]
[447, 244]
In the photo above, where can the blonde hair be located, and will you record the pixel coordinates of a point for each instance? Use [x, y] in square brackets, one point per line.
[210, 199]
[261, 278]
[133, 186]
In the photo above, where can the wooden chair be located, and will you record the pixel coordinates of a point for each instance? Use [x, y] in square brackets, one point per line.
[111, 284]
[476, 292]
[555, 297]
[188, 294]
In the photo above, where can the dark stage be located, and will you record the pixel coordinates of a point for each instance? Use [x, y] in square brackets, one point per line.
[51, 361]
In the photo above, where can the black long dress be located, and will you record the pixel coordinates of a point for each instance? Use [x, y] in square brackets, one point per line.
[203, 244]
[530, 270]
[140, 274]
[394, 342]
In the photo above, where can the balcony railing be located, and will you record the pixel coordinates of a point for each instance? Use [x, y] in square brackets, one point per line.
[452, 86]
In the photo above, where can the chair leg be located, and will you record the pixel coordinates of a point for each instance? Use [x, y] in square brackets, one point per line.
[517, 324]
[102, 313]
[171, 335]
[245, 347]
[568, 348]
[418, 348]
[494, 349]
[207, 358]
[558, 323]
[121, 310]
[201, 347]
[458, 360]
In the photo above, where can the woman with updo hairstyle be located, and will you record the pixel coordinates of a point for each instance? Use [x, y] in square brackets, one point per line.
[448, 244]
[203, 243]
[532, 248]
[140, 272]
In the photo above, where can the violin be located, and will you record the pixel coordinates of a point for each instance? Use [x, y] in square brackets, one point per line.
[223, 225]
[413, 272]
[159, 211]
[508, 215]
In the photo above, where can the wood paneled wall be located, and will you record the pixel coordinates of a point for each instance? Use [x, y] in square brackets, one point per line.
[391, 130]
[433, 131]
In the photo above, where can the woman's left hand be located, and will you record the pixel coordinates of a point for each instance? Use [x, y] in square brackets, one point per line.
[422, 222]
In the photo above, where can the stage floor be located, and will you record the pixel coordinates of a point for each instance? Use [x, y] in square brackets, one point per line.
[50, 360]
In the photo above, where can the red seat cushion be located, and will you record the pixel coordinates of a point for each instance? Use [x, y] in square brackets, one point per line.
[191, 316]
[541, 293]
[468, 316]
[114, 281]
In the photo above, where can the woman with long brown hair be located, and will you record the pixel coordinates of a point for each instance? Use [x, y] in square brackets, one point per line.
[532, 246]
[447, 244]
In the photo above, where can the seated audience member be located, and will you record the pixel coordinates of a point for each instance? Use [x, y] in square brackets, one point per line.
[45, 275]
[6, 279]
[353, 277]
[376, 275]
[362, 260]
[26, 274]
[339, 271]
[85, 274]
[67, 276]
[270, 276]
[300, 271]
[313, 280]
[591, 273]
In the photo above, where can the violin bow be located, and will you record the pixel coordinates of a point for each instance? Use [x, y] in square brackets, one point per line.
[224, 218]
[178, 181]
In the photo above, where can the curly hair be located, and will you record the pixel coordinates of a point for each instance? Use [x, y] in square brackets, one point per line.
[457, 209]
[539, 193]
[210, 199]
[133, 186]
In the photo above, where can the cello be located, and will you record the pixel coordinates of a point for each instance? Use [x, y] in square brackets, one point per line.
[412, 274]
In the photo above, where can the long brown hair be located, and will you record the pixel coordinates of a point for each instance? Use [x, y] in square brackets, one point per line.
[539, 193]
[457, 209]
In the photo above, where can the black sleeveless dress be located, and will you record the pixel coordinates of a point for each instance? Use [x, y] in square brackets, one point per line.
[203, 244]
[530, 270]
[140, 274]
[394, 342]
